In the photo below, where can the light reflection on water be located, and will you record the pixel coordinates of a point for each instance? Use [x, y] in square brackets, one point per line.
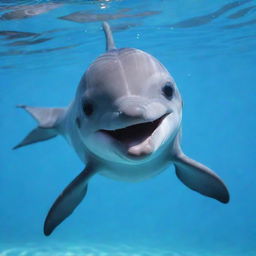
[87, 250]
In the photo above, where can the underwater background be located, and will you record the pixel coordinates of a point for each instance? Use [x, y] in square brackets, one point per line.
[210, 49]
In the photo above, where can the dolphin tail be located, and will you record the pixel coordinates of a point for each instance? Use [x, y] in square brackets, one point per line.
[48, 123]
[200, 178]
[110, 45]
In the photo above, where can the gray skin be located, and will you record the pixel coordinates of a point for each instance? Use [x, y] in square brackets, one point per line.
[124, 123]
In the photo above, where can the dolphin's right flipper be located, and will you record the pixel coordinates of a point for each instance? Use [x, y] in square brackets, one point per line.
[200, 178]
[69, 199]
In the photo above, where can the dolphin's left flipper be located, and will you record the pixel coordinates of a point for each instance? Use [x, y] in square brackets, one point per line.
[200, 178]
[69, 199]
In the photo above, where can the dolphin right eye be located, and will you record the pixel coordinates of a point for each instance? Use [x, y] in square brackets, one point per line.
[88, 109]
[168, 90]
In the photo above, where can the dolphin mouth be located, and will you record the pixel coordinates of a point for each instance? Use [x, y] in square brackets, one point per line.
[135, 139]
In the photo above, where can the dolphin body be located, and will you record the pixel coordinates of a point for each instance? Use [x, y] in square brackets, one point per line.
[124, 123]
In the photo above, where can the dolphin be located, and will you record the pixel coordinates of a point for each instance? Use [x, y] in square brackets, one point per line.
[124, 123]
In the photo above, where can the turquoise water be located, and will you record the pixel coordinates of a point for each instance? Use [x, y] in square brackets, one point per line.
[209, 48]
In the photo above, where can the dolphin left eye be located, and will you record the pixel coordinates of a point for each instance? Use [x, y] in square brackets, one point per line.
[168, 90]
[88, 109]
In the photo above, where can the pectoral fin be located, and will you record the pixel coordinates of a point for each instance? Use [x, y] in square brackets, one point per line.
[200, 178]
[48, 121]
[69, 199]
[36, 135]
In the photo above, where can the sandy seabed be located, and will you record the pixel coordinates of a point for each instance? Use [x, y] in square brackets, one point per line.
[62, 249]
[86, 250]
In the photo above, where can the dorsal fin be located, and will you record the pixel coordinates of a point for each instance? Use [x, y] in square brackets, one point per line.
[110, 45]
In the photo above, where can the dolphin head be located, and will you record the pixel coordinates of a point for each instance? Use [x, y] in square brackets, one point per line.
[128, 106]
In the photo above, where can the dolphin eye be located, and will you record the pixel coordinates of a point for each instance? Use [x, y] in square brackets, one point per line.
[88, 109]
[168, 90]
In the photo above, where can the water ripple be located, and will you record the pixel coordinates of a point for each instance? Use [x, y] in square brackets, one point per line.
[101, 250]
[89, 250]
[204, 19]
[27, 11]
[42, 27]
[85, 16]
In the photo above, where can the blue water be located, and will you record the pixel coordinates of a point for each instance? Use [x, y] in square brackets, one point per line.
[209, 48]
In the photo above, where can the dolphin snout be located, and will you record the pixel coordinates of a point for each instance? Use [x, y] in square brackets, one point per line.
[141, 108]
[132, 111]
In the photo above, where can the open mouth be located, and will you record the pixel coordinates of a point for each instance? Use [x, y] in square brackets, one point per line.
[134, 134]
